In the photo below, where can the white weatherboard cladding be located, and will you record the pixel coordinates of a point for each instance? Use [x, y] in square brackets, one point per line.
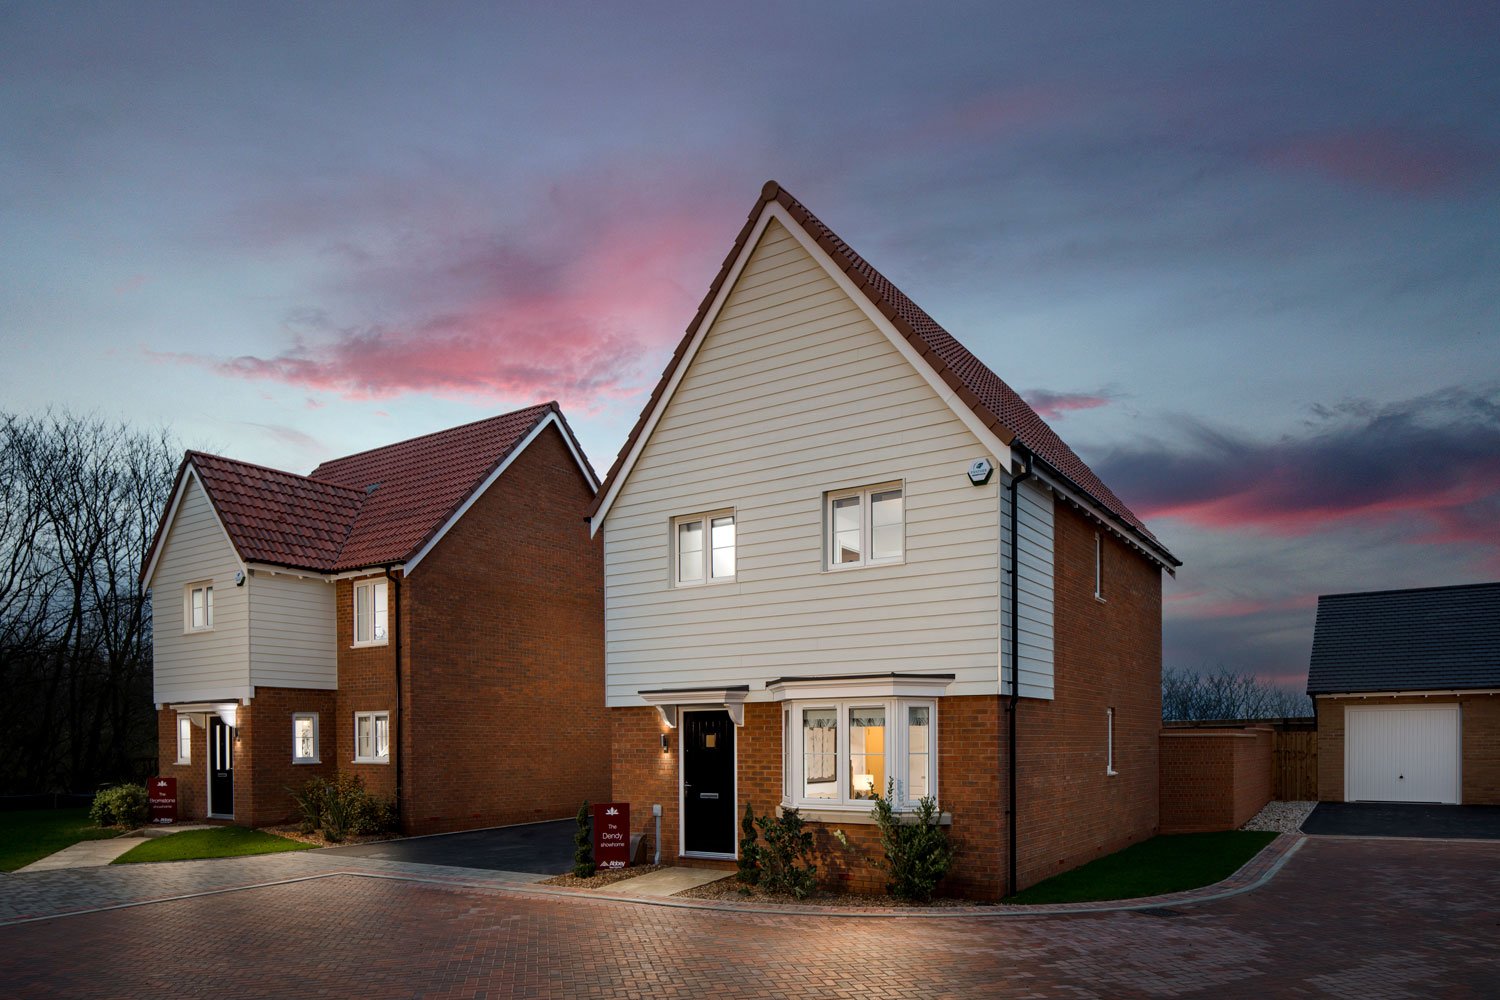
[199, 666]
[1401, 753]
[794, 392]
[1034, 599]
[292, 625]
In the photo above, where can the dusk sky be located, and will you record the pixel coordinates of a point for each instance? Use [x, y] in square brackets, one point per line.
[1243, 257]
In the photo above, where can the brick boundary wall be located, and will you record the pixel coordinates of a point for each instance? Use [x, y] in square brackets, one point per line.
[1213, 779]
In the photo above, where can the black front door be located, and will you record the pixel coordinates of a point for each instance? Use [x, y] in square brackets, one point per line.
[220, 767]
[708, 783]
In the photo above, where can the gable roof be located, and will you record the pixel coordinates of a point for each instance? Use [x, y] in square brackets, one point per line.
[1429, 639]
[386, 505]
[997, 406]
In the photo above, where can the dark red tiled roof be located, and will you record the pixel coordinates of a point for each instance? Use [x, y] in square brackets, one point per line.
[377, 507]
[992, 400]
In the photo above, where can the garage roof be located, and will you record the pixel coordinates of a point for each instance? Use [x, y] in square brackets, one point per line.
[1429, 639]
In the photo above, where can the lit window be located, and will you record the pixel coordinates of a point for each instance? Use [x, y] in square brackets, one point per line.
[370, 613]
[372, 732]
[198, 607]
[1109, 741]
[703, 548]
[817, 737]
[305, 738]
[866, 526]
[184, 740]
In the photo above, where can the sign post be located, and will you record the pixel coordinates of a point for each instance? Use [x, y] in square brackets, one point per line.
[611, 835]
[162, 794]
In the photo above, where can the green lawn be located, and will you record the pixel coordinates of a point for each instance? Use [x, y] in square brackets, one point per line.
[221, 842]
[1155, 866]
[28, 835]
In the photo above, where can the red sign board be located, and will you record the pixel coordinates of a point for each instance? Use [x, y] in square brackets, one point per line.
[611, 835]
[162, 793]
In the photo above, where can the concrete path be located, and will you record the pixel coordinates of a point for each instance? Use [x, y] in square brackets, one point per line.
[97, 853]
[666, 882]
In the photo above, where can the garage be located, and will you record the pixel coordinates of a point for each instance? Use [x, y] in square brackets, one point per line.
[1402, 753]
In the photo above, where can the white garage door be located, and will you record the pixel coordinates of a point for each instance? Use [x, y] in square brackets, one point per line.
[1401, 753]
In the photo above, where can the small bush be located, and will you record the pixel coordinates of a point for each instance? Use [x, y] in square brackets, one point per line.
[749, 860]
[343, 808]
[785, 862]
[917, 853]
[121, 805]
[583, 845]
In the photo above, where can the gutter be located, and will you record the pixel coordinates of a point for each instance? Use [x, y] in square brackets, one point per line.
[1015, 650]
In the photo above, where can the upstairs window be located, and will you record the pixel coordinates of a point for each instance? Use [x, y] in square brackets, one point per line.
[198, 607]
[370, 613]
[184, 740]
[866, 526]
[703, 548]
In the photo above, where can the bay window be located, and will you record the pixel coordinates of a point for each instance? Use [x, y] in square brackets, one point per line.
[843, 753]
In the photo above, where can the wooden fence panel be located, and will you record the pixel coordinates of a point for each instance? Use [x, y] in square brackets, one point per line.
[1294, 762]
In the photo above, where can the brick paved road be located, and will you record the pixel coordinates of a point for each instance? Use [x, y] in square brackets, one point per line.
[1363, 919]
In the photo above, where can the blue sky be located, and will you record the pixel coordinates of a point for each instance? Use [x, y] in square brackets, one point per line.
[1243, 256]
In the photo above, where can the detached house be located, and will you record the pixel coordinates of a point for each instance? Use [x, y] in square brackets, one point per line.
[427, 615]
[841, 555]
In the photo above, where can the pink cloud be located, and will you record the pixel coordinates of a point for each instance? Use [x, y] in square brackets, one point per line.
[1201, 604]
[1414, 162]
[1055, 405]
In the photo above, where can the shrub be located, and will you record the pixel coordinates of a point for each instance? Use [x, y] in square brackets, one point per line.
[917, 853]
[749, 861]
[121, 805]
[583, 845]
[785, 862]
[342, 807]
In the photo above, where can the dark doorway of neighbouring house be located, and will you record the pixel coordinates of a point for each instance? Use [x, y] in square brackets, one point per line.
[220, 768]
[708, 783]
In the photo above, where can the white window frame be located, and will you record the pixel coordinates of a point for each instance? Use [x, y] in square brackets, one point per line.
[316, 757]
[866, 526]
[371, 588]
[1098, 567]
[1109, 742]
[707, 519]
[184, 739]
[896, 754]
[207, 587]
[377, 757]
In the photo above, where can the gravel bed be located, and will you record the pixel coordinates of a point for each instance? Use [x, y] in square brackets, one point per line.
[601, 879]
[1281, 817]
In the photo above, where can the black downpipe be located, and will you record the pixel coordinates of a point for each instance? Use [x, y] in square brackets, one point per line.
[396, 718]
[1015, 651]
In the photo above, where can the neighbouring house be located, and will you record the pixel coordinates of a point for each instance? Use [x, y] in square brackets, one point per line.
[1407, 688]
[842, 556]
[427, 616]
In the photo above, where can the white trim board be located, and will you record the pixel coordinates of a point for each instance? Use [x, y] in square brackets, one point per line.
[189, 473]
[999, 451]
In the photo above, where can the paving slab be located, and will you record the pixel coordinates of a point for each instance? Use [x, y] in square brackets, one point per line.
[667, 881]
[85, 854]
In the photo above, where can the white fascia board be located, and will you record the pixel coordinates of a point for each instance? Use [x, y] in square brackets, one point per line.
[1105, 519]
[1410, 694]
[166, 525]
[999, 451]
[794, 689]
[550, 420]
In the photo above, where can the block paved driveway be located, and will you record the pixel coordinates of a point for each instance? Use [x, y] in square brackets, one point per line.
[1362, 919]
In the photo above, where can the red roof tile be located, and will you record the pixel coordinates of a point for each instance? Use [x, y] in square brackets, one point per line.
[992, 400]
[376, 507]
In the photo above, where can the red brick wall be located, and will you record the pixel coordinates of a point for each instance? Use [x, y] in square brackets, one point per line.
[192, 778]
[1479, 724]
[506, 711]
[1107, 654]
[367, 683]
[1213, 779]
[263, 768]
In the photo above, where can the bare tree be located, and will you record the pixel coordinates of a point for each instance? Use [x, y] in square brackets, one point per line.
[1193, 696]
[82, 496]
